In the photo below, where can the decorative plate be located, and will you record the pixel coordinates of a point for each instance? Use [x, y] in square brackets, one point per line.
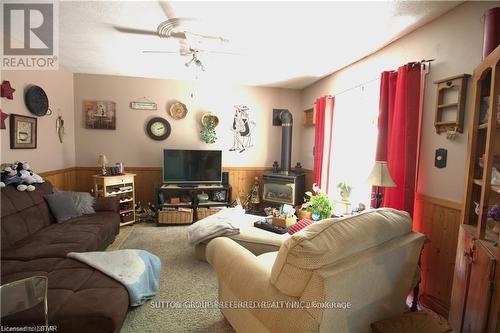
[36, 101]
[178, 110]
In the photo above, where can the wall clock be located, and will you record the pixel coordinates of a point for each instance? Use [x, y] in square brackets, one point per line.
[158, 128]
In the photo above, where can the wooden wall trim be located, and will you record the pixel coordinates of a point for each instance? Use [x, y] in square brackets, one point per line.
[439, 201]
[127, 168]
[79, 178]
[439, 219]
[56, 172]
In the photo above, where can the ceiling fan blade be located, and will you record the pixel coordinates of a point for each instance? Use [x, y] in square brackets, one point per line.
[167, 9]
[160, 51]
[219, 38]
[136, 31]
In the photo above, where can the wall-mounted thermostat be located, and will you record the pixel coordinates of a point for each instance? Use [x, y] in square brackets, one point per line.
[440, 159]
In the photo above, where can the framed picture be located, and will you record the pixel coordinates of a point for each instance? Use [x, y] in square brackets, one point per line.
[100, 114]
[22, 132]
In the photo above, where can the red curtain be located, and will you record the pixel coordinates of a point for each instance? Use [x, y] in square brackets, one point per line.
[323, 126]
[398, 129]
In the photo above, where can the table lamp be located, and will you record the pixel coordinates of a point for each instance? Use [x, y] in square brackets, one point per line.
[102, 161]
[380, 177]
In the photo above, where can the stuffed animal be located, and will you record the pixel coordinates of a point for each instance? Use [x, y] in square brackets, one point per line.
[25, 178]
[9, 177]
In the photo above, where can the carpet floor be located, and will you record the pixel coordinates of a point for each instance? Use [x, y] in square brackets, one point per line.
[182, 279]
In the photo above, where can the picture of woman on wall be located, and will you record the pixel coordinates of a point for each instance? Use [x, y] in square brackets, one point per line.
[242, 129]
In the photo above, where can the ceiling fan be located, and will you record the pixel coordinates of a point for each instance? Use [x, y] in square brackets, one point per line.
[195, 60]
[190, 43]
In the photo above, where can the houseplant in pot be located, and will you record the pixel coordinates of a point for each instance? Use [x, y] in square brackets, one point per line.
[318, 204]
[345, 190]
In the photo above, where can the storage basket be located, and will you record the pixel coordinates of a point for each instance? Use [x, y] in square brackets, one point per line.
[201, 213]
[183, 216]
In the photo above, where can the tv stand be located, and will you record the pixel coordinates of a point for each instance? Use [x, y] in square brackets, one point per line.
[172, 197]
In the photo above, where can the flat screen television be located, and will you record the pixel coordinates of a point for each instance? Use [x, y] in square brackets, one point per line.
[181, 166]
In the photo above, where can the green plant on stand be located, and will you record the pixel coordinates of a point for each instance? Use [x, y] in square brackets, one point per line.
[208, 134]
[345, 190]
[319, 205]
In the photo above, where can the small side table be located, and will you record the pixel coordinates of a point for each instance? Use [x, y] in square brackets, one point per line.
[347, 206]
[24, 294]
[121, 186]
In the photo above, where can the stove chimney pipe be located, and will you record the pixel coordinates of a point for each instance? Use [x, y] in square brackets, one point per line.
[286, 140]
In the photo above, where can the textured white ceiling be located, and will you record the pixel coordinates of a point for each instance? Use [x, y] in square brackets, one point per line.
[280, 44]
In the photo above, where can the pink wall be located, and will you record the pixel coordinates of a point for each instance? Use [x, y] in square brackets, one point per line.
[455, 41]
[50, 153]
[130, 144]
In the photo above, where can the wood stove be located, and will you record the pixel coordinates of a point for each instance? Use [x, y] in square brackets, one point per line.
[284, 186]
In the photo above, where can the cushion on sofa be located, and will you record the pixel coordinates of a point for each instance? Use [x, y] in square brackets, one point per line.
[86, 233]
[62, 206]
[328, 241]
[23, 213]
[84, 201]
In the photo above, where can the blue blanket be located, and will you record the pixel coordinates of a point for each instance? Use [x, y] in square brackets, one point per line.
[137, 270]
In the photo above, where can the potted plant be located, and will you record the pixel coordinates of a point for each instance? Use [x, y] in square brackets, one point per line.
[318, 204]
[494, 214]
[345, 190]
[208, 125]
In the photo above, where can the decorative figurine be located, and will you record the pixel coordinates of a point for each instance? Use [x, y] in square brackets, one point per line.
[298, 169]
[276, 167]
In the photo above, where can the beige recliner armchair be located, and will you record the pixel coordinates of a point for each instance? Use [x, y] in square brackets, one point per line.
[336, 275]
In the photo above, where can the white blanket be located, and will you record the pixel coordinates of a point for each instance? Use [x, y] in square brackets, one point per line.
[137, 270]
[218, 224]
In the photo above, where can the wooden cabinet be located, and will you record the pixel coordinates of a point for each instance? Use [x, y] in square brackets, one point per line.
[479, 295]
[475, 294]
[122, 186]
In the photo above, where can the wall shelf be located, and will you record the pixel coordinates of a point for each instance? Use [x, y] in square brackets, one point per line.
[446, 89]
[309, 117]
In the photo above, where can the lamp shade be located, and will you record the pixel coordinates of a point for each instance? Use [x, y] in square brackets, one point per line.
[380, 175]
[102, 160]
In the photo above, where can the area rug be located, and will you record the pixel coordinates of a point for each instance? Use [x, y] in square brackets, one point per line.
[183, 280]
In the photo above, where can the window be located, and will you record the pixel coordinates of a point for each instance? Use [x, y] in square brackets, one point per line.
[354, 142]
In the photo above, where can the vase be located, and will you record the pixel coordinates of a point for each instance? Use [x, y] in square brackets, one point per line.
[345, 195]
[316, 216]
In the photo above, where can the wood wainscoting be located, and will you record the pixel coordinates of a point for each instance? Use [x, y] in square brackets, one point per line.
[439, 220]
[148, 179]
[63, 179]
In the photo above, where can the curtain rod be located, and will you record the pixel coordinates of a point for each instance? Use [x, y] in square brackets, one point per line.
[374, 79]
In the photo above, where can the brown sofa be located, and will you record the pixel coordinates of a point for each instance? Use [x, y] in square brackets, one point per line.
[80, 299]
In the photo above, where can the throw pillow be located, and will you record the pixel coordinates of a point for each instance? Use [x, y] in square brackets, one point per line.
[299, 226]
[62, 206]
[84, 201]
